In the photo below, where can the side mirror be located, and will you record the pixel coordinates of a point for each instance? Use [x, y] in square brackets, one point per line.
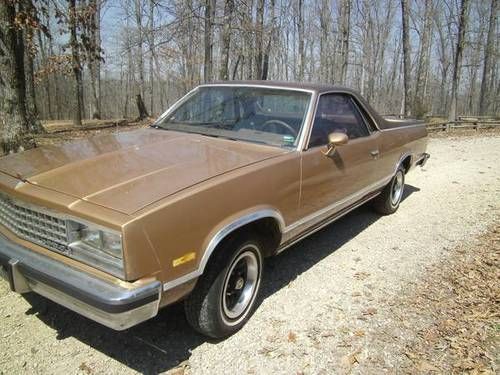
[334, 140]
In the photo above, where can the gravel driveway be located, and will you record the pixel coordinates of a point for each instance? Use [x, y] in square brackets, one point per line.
[324, 300]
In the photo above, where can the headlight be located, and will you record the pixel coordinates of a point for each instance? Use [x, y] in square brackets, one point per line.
[99, 247]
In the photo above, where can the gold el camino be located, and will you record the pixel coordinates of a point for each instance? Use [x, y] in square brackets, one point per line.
[118, 226]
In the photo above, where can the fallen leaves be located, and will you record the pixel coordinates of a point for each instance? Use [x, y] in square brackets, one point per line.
[461, 305]
[359, 333]
[351, 359]
[361, 275]
[85, 368]
[369, 311]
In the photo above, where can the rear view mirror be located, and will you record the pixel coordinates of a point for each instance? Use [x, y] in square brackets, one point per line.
[334, 140]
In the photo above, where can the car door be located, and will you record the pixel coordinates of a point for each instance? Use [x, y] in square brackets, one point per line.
[332, 183]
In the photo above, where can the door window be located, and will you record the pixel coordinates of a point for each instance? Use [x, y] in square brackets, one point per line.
[336, 113]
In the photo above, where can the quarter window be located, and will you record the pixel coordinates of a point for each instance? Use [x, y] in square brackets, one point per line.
[336, 113]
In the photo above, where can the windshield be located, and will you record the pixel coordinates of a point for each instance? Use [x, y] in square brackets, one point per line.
[254, 114]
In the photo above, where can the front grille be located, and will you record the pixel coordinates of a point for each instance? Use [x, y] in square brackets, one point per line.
[33, 224]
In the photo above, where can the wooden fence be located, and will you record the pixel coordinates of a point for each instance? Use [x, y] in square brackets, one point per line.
[438, 123]
[464, 122]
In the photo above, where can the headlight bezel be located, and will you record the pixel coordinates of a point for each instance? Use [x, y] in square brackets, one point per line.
[104, 259]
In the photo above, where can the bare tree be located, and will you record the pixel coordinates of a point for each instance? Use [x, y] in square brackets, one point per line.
[209, 20]
[151, 42]
[226, 39]
[76, 62]
[259, 41]
[406, 58]
[423, 59]
[345, 28]
[267, 53]
[489, 60]
[13, 118]
[94, 54]
[462, 25]
[140, 46]
[300, 32]
[162, 49]
[325, 24]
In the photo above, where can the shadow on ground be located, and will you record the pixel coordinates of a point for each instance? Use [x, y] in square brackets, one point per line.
[167, 340]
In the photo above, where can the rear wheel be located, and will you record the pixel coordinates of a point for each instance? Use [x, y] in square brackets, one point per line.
[389, 199]
[225, 295]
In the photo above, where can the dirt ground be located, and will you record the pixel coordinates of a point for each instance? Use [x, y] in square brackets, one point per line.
[414, 292]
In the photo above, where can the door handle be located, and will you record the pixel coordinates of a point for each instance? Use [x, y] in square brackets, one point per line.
[374, 153]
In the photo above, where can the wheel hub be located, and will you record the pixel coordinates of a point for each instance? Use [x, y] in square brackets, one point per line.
[240, 282]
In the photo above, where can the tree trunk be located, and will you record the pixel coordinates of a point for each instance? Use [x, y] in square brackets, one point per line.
[25, 38]
[489, 58]
[140, 43]
[226, 39]
[406, 57]
[423, 60]
[94, 56]
[34, 124]
[141, 108]
[300, 32]
[462, 26]
[247, 59]
[267, 53]
[13, 118]
[76, 64]
[345, 31]
[259, 38]
[152, 55]
[324, 22]
[46, 80]
[209, 19]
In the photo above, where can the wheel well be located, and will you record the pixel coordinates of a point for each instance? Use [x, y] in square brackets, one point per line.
[406, 163]
[267, 229]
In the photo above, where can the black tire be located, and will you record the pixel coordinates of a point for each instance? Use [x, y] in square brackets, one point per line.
[387, 202]
[206, 306]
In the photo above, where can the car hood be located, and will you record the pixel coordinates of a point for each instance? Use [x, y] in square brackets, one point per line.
[128, 171]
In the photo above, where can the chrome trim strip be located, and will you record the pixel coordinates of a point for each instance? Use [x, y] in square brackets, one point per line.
[181, 280]
[403, 127]
[328, 222]
[312, 219]
[258, 85]
[219, 236]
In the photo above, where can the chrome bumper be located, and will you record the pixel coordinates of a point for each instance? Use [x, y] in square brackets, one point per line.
[112, 305]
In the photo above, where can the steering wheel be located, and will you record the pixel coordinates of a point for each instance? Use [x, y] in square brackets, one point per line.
[283, 124]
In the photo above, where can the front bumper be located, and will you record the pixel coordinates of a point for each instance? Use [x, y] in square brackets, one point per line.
[118, 306]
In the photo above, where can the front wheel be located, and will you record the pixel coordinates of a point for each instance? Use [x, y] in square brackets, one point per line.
[225, 295]
[387, 202]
